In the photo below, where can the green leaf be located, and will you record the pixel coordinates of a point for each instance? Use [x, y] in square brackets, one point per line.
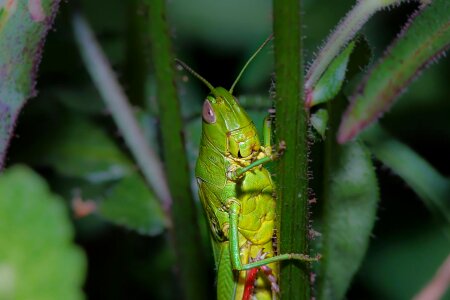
[23, 27]
[350, 204]
[430, 186]
[37, 257]
[331, 81]
[81, 149]
[319, 120]
[131, 204]
[425, 38]
[350, 200]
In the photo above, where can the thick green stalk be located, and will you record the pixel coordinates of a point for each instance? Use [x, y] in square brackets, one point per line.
[192, 268]
[291, 127]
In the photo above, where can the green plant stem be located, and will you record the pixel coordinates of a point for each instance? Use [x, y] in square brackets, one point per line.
[291, 127]
[116, 101]
[188, 245]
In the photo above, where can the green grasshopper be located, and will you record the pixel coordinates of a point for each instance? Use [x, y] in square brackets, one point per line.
[238, 195]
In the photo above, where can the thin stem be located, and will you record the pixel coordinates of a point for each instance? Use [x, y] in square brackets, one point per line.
[291, 127]
[188, 245]
[115, 99]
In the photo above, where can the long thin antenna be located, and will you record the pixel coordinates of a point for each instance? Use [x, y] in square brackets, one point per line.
[190, 70]
[249, 61]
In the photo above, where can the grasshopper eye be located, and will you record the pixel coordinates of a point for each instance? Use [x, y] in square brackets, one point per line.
[208, 113]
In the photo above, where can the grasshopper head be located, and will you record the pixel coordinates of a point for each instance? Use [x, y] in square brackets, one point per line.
[227, 126]
[225, 123]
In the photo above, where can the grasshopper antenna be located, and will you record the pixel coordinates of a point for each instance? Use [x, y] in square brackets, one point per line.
[198, 76]
[249, 61]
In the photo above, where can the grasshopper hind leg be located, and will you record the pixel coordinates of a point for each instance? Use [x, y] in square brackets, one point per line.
[234, 208]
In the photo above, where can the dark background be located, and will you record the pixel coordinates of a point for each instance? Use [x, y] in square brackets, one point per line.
[215, 38]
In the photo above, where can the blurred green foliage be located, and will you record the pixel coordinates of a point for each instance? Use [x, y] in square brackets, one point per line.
[350, 198]
[67, 135]
[37, 257]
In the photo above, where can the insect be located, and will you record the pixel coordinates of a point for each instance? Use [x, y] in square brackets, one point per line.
[238, 195]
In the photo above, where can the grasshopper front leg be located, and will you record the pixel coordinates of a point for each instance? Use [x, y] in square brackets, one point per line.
[270, 156]
[239, 172]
